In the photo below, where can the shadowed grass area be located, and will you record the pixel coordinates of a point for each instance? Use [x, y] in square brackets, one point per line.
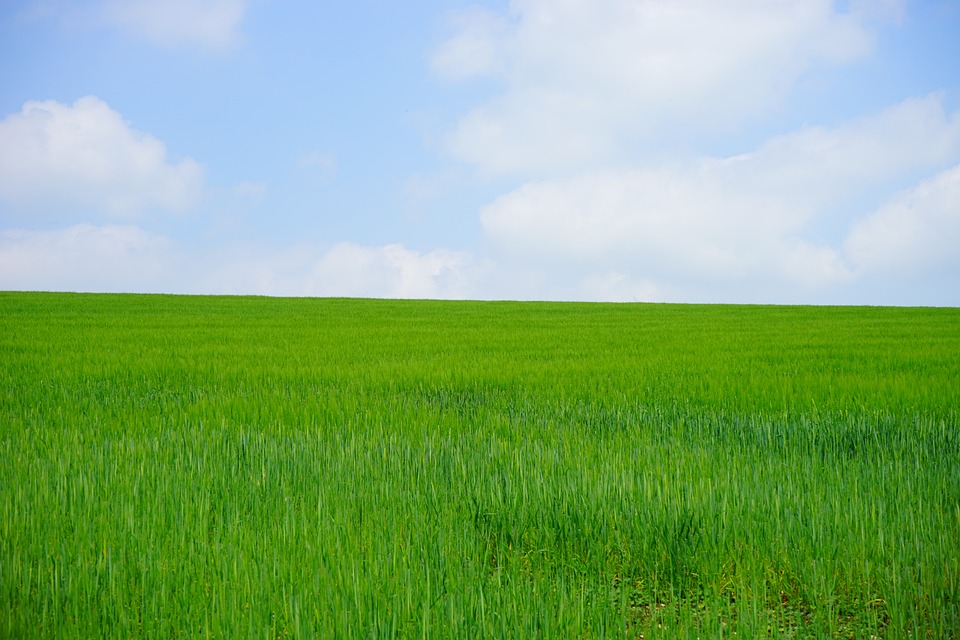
[253, 467]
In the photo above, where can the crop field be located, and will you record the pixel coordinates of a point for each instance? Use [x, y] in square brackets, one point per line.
[231, 467]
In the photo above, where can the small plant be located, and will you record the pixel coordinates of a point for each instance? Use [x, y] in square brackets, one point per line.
[292, 468]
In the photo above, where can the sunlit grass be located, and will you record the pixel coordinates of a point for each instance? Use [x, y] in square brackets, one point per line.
[249, 467]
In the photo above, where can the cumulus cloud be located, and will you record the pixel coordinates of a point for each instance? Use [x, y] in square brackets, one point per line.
[745, 219]
[85, 156]
[209, 24]
[590, 91]
[586, 80]
[669, 224]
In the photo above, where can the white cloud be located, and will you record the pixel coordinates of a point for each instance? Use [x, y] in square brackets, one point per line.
[318, 165]
[743, 222]
[123, 258]
[250, 191]
[916, 233]
[593, 91]
[213, 25]
[85, 257]
[347, 269]
[681, 223]
[475, 46]
[586, 80]
[611, 286]
[392, 271]
[85, 156]
[210, 24]
[823, 164]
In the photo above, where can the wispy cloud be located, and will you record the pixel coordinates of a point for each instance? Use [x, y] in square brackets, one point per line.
[318, 164]
[915, 233]
[211, 25]
[208, 24]
[87, 257]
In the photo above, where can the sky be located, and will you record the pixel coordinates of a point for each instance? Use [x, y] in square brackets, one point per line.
[734, 151]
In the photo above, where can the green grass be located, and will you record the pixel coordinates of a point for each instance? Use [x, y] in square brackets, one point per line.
[272, 468]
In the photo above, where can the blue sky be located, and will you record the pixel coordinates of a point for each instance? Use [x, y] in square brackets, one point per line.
[761, 151]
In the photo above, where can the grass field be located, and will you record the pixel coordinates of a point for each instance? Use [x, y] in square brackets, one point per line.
[291, 468]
